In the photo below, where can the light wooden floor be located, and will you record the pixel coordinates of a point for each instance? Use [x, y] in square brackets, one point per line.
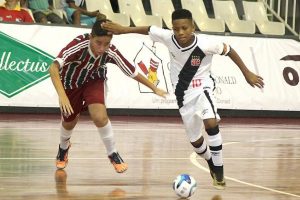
[261, 156]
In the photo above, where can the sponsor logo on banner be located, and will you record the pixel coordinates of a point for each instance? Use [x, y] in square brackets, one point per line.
[290, 74]
[21, 65]
[222, 96]
[151, 66]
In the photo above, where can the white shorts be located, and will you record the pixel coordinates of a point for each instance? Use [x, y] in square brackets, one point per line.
[195, 111]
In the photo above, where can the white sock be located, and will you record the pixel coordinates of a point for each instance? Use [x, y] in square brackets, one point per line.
[65, 136]
[203, 151]
[215, 142]
[107, 136]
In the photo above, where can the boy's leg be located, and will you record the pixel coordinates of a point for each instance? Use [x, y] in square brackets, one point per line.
[215, 145]
[208, 112]
[94, 96]
[210, 119]
[106, 134]
[193, 126]
[67, 125]
[66, 131]
[63, 148]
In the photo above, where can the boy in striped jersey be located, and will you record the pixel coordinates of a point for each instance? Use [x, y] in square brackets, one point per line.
[78, 74]
[190, 66]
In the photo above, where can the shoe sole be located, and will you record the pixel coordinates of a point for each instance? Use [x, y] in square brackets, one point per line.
[219, 187]
[121, 171]
[62, 167]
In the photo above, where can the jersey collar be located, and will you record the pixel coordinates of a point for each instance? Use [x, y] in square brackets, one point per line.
[185, 48]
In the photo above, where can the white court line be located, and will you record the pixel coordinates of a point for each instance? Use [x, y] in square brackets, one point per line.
[87, 129]
[135, 129]
[72, 158]
[193, 159]
[262, 140]
[155, 158]
[274, 139]
[165, 158]
[197, 164]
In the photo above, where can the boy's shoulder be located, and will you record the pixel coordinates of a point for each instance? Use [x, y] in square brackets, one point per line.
[82, 37]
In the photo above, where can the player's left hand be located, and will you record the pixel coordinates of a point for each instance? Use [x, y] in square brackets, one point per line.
[254, 80]
[160, 92]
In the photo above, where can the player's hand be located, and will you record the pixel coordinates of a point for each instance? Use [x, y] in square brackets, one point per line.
[254, 80]
[65, 106]
[160, 92]
[113, 27]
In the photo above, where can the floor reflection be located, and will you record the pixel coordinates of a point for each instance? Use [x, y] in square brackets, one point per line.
[217, 197]
[63, 193]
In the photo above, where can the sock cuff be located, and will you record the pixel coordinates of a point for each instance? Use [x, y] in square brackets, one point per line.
[64, 132]
[106, 131]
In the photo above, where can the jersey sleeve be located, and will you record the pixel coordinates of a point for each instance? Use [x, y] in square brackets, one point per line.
[211, 46]
[118, 59]
[69, 52]
[159, 34]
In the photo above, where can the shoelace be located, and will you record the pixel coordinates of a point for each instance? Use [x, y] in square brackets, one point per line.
[116, 158]
[62, 154]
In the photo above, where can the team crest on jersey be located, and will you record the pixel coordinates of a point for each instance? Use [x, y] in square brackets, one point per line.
[195, 61]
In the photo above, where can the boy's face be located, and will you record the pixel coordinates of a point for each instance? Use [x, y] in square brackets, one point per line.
[99, 44]
[183, 30]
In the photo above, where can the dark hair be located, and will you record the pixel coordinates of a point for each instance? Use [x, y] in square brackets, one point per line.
[181, 14]
[97, 30]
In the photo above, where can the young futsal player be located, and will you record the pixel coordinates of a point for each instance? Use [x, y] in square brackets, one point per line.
[78, 74]
[191, 58]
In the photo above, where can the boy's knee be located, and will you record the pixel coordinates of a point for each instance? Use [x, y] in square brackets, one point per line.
[100, 121]
[198, 143]
[213, 131]
[76, 14]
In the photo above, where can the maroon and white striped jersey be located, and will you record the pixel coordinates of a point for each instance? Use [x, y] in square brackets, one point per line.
[78, 64]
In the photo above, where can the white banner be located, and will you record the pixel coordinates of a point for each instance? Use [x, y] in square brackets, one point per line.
[276, 60]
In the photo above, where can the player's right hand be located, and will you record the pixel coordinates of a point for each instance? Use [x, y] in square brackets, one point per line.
[254, 80]
[65, 106]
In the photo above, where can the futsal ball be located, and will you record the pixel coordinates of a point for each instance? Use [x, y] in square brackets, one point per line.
[184, 185]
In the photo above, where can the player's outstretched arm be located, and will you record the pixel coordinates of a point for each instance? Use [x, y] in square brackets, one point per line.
[251, 78]
[140, 78]
[64, 102]
[116, 28]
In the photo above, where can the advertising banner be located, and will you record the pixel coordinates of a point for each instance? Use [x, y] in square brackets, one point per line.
[26, 52]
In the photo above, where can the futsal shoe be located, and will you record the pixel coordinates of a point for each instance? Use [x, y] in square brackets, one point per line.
[217, 174]
[118, 163]
[62, 157]
[218, 177]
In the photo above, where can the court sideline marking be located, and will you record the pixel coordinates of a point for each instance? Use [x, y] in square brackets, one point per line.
[193, 159]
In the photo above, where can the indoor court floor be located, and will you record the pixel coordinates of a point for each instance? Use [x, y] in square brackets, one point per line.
[261, 157]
